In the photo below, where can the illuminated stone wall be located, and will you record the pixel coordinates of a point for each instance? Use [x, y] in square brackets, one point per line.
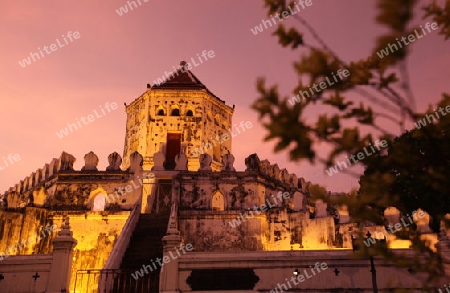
[263, 208]
[275, 230]
[314, 234]
[259, 211]
[25, 233]
[96, 233]
[211, 231]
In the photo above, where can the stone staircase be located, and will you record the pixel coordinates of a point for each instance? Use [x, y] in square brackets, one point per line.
[145, 246]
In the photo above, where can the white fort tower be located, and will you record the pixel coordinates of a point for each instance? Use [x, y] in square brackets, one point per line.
[180, 114]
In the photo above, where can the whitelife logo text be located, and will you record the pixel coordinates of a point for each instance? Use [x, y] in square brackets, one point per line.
[185, 66]
[411, 38]
[166, 259]
[430, 117]
[11, 159]
[323, 85]
[124, 9]
[285, 14]
[259, 209]
[86, 120]
[221, 139]
[24, 243]
[299, 278]
[53, 47]
[361, 156]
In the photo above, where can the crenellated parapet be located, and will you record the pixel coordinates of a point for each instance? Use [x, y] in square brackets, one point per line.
[64, 162]
[58, 186]
[229, 189]
[273, 173]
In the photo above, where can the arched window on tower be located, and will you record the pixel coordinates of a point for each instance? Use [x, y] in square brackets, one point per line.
[160, 112]
[189, 113]
[99, 203]
[175, 112]
[98, 200]
[217, 201]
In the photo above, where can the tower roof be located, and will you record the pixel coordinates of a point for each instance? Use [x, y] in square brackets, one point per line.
[183, 78]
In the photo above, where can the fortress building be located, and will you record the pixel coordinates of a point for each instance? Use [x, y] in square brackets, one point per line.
[173, 215]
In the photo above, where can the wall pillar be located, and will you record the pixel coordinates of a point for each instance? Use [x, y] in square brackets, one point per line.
[148, 192]
[61, 269]
[136, 161]
[168, 279]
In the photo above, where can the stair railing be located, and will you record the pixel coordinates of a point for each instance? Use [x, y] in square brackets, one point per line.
[115, 258]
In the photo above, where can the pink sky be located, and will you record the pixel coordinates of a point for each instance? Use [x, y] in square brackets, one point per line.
[116, 56]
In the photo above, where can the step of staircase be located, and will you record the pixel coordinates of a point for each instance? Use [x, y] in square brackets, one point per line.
[145, 246]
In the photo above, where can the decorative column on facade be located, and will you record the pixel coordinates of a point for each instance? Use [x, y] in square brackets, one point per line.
[61, 269]
[136, 161]
[171, 242]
